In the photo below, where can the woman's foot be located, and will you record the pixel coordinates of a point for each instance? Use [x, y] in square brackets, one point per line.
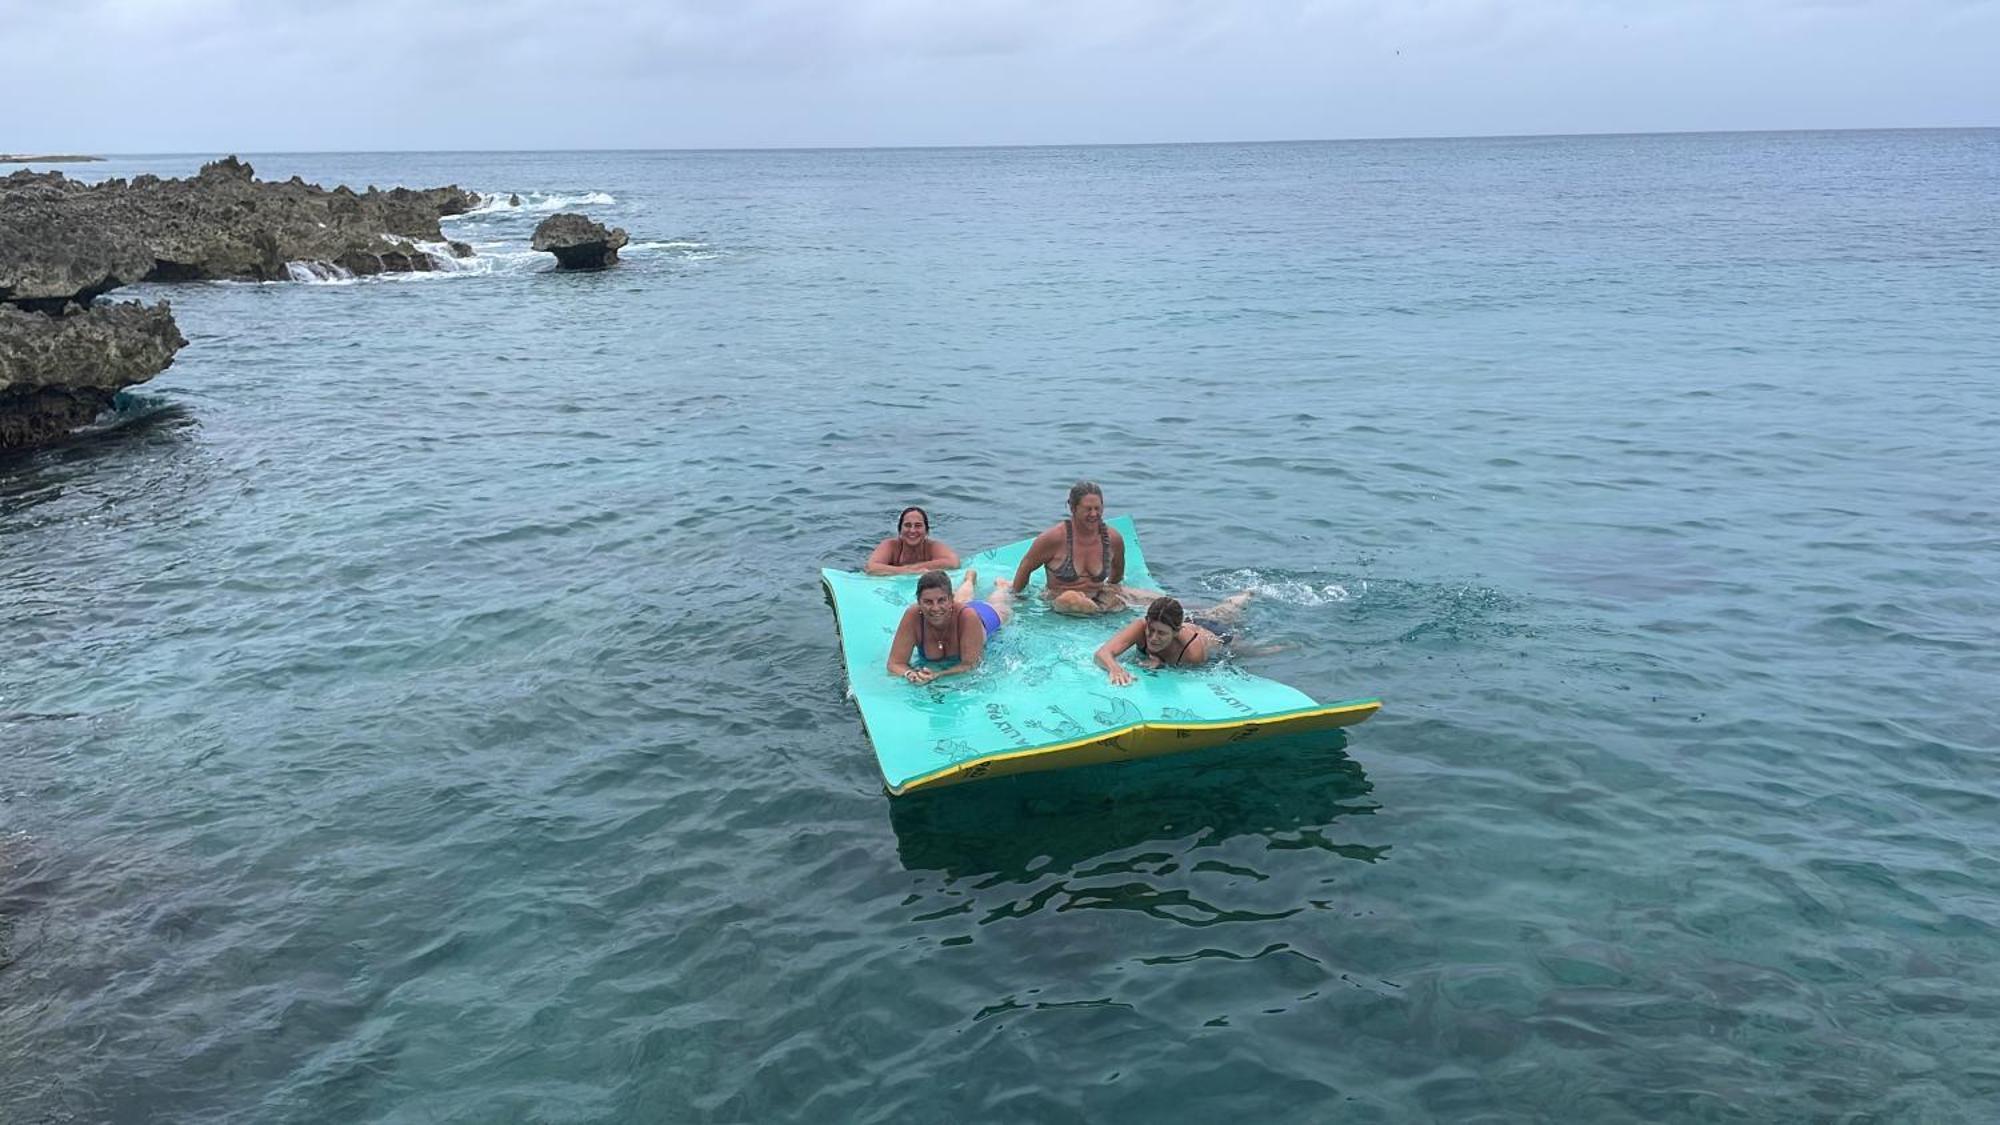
[1002, 598]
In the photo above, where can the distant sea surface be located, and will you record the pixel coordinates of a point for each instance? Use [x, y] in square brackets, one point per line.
[419, 705]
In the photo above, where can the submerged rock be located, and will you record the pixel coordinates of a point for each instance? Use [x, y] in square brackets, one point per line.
[57, 372]
[578, 242]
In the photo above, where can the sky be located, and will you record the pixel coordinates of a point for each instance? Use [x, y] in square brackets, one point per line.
[153, 76]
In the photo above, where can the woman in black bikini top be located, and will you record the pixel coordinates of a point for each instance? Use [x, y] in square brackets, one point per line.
[1166, 639]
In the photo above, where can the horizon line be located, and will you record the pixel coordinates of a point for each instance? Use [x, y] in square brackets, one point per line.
[106, 154]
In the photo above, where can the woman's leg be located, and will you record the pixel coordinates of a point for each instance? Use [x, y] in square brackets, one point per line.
[1002, 599]
[1076, 603]
[966, 585]
[1229, 609]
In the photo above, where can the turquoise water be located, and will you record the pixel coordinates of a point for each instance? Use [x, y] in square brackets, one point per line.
[423, 707]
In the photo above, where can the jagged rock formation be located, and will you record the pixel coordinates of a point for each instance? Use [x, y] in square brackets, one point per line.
[57, 372]
[222, 223]
[64, 243]
[578, 242]
[52, 254]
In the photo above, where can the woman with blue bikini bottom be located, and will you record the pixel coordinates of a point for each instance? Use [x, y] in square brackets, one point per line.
[945, 633]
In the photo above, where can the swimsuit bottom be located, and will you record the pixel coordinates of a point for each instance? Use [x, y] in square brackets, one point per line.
[1223, 634]
[989, 615]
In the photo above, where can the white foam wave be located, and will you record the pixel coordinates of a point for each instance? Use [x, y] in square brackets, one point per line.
[685, 251]
[533, 202]
[483, 263]
[443, 260]
[1288, 591]
[444, 263]
[318, 273]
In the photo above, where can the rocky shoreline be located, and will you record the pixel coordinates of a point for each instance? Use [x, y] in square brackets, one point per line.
[58, 158]
[64, 244]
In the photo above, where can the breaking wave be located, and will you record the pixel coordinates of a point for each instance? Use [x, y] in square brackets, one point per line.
[533, 202]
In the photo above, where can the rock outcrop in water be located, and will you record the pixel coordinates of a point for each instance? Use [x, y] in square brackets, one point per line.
[579, 242]
[57, 372]
[64, 243]
[221, 223]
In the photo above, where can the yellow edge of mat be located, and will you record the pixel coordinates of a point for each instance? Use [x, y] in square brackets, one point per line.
[1142, 740]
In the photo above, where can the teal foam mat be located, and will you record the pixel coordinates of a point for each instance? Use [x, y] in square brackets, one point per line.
[1039, 700]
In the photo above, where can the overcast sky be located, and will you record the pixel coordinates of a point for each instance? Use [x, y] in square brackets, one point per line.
[271, 75]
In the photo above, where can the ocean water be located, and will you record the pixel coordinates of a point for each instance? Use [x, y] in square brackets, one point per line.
[418, 705]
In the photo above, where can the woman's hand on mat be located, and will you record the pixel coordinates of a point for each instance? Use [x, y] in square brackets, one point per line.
[1120, 676]
[920, 675]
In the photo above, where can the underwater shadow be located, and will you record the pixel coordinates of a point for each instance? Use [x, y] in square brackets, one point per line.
[1287, 790]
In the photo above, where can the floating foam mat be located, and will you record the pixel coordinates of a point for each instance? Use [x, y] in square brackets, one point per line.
[1038, 700]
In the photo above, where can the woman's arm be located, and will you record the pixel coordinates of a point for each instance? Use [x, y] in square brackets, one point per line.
[878, 562]
[941, 558]
[1117, 560]
[1108, 652]
[1039, 553]
[902, 645]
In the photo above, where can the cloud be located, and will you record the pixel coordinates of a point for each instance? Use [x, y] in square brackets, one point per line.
[149, 74]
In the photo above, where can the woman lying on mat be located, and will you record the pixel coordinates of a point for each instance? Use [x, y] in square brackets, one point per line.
[947, 631]
[1083, 558]
[1168, 638]
[911, 550]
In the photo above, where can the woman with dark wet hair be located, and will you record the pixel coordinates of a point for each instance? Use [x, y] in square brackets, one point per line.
[911, 550]
[1168, 638]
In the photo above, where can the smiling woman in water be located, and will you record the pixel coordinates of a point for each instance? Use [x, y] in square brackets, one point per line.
[945, 633]
[911, 550]
[1083, 558]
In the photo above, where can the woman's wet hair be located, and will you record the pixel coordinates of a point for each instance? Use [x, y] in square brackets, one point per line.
[936, 580]
[1084, 488]
[1166, 611]
[919, 511]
